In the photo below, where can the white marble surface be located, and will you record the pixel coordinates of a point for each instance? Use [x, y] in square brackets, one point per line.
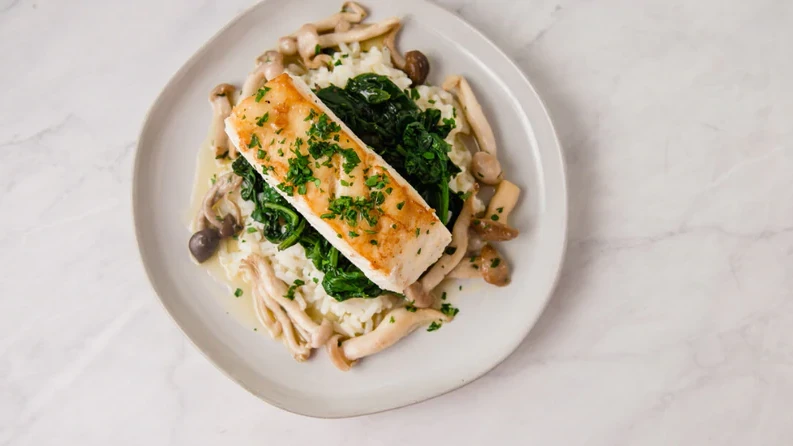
[673, 322]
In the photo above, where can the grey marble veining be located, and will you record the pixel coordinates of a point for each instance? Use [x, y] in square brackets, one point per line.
[673, 321]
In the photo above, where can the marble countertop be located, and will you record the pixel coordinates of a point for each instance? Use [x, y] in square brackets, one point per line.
[673, 320]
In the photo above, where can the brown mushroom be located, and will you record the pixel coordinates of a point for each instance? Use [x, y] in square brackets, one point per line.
[494, 226]
[485, 168]
[268, 66]
[493, 266]
[488, 264]
[414, 63]
[220, 99]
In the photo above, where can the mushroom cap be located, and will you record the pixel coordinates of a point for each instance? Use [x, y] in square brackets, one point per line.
[307, 41]
[493, 267]
[287, 45]
[417, 66]
[493, 231]
[221, 90]
[486, 168]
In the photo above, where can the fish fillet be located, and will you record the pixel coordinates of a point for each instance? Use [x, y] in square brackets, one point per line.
[359, 203]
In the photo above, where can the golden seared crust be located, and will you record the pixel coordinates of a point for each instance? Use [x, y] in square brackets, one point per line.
[401, 237]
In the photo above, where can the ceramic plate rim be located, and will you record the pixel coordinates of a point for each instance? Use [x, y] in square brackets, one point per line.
[555, 156]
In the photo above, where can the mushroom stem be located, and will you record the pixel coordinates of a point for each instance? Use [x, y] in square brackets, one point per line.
[388, 333]
[268, 66]
[264, 276]
[485, 166]
[358, 34]
[220, 99]
[390, 42]
[503, 201]
[351, 12]
[222, 187]
[265, 316]
[333, 347]
[459, 243]
[467, 270]
[422, 298]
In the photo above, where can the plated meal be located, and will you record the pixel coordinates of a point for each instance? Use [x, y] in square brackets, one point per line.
[344, 189]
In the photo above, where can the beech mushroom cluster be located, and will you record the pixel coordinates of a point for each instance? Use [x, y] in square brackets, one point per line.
[210, 226]
[281, 315]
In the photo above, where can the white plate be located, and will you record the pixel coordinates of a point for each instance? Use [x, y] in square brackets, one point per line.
[492, 321]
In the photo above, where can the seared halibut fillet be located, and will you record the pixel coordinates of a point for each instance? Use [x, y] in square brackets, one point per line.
[345, 190]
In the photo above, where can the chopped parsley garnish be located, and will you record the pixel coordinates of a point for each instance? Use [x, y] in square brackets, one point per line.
[315, 280]
[410, 307]
[311, 115]
[388, 190]
[352, 209]
[254, 141]
[434, 326]
[260, 154]
[495, 262]
[392, 320]
[431, 101]
[290, 293]
[338, 62]
[373, 242]
[280, 152]
[278, 132]
[443, 296]
[377, 181]
[450, 250]
[345, 183]
[369, 231]
[352, 234]
[494, 217]
[418, 252]
[400, 205]
[317, 49]
[238, 292]
[260, 122]
[251, 230]
[260, 94]
[393, 226]
[449, 310]
[214, 178]
[418, 232]
[298, 175]
[472, 259]
[414, 94]
[323, 128]
[500, 210]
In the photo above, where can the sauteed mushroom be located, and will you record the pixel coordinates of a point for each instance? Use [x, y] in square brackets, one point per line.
[268, 66]
[415, 63]
[396, 325]
[484, 165]
[493, 226]
[220, 99]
